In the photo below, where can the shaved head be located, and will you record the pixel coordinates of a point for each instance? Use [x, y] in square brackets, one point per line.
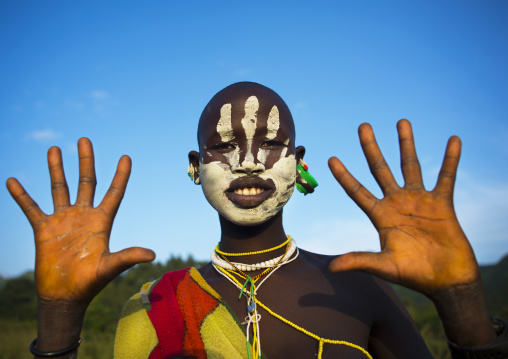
[247, 155]
[236, 95]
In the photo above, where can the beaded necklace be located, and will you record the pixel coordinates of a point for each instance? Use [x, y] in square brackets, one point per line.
[249, 290]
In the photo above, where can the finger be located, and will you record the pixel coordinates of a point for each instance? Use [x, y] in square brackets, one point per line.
[377, 164]
[125, 259]
[446, 178]
[116, 191]
[59, 188]
[378, 264]
[87, 179]
[408, 159]
[32, 211]
[354, 189]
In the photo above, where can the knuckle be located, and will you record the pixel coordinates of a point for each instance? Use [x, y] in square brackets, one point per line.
[86, 180]
[409, 161]
[447, 175]
[355, 188]
[378, 165]
[115, 191]
[58, 185]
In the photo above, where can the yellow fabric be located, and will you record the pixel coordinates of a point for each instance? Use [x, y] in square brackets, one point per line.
[135, 335]
[222, 337]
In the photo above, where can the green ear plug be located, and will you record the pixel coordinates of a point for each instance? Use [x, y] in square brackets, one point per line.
[307, 177]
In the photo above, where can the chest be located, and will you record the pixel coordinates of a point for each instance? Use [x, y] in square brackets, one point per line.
[294, 314]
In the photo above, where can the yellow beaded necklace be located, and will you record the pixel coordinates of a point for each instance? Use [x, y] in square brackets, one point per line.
[252, 302]
[253, 253]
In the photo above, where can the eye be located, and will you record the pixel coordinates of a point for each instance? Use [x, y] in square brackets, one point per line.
[272, 143]
[224, 146]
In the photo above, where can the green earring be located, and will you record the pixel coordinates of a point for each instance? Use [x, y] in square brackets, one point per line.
[302, 169]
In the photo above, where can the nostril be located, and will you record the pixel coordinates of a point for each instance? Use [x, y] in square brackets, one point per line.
[249, 167]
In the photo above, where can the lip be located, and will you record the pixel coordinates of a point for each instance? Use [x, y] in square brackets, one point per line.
[250, 201]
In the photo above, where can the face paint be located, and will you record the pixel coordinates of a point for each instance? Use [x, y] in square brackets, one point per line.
[224, 181]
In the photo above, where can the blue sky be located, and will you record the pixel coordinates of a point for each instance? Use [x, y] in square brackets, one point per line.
[135, 76]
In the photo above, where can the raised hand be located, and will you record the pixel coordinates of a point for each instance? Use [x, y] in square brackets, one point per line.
[73, 262]
[422, 244]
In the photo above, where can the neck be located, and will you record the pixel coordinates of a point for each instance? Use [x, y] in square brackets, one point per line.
[238, 239]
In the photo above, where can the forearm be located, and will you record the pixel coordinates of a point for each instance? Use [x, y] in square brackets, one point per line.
[59, 326]
[463, 312]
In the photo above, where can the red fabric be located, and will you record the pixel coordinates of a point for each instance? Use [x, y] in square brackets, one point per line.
[166, 316]
[195, 305]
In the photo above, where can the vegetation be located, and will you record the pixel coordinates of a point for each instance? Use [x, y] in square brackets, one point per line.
[18, 309]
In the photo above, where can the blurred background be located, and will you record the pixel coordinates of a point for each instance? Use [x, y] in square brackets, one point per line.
[134, 77]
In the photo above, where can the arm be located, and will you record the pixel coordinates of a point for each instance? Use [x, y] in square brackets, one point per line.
[423, 246]
[73, 262]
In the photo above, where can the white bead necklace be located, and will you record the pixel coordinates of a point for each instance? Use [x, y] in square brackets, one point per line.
[219, 262]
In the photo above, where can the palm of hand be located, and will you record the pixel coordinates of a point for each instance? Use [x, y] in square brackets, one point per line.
[75, 238]
[422, 244]
[73, 261]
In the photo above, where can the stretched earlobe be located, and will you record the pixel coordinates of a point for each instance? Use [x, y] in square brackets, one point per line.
[193, 173]
[193, 169]
[305, 183]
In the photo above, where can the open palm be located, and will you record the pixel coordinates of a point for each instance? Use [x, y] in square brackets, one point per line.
[73, 261]
[422, 244]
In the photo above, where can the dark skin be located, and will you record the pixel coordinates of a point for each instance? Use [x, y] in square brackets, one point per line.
[422, 247]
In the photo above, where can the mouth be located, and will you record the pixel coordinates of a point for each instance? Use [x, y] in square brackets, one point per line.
[250, 192]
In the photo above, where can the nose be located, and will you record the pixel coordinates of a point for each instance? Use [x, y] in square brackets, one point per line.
[249, 167]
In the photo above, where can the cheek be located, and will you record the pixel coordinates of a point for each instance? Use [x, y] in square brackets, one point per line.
[214, 175]
[283, 173]
[270, 157]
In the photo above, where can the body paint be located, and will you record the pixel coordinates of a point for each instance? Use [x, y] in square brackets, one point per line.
[217, 176]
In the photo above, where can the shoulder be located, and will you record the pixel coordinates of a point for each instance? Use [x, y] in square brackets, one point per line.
[135, 335]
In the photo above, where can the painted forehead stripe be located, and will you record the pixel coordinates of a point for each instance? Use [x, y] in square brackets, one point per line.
[249, 122]
[224, 127]
[273, 123]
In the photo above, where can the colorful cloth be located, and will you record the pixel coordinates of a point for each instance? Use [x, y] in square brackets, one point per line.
[179, 316]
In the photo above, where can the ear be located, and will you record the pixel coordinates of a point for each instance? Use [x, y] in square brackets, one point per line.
[300, 153]
[194, 166]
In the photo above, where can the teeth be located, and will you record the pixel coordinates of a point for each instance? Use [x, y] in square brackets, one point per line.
[249, 191]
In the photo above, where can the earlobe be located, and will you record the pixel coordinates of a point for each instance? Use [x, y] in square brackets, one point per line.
[193, 169]
[300, 153]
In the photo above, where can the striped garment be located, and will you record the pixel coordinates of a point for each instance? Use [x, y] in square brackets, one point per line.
[179, 316]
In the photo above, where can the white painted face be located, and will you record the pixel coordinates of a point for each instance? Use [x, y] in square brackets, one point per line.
[247, 165]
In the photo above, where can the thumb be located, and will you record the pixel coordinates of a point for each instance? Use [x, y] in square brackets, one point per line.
[126, 258]
[378, 264]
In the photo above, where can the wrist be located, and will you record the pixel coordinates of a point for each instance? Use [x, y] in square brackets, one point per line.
[58, 324]
[495, 349]
[463, 312]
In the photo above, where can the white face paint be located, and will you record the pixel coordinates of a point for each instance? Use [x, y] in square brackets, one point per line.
[216, 176]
